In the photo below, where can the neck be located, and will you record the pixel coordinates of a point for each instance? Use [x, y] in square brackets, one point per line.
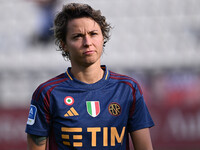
[89, 75]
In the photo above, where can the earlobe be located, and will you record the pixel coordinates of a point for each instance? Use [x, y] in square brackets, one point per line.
[63, 45]
[64, 49]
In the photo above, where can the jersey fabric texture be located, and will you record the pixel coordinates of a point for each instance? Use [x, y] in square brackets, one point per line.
[76, 115]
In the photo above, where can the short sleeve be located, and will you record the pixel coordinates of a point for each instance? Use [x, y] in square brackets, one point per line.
[38, 119]
[139, 117]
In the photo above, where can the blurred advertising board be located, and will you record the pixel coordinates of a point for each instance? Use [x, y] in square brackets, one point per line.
[12, 129]
[175, 106]
[177, 128]
[173, 98]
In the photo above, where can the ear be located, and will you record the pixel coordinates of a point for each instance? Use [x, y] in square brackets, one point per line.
[63, 44]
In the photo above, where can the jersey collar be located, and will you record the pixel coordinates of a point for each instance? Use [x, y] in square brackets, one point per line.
[79, 84]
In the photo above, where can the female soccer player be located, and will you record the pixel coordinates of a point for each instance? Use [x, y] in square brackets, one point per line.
[88, 106]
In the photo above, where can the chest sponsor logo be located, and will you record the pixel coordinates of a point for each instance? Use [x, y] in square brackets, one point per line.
[69, 100]
[71, 112]
[114, 109]
[109, 136]
[93, 108]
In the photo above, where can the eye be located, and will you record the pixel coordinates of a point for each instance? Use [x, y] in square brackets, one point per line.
[77, 36]
[93, 33]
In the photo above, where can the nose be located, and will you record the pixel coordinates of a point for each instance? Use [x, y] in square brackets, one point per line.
[87, 41]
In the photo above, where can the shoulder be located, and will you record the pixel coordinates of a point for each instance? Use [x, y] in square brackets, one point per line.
[116, 77]
[49, 85]
[122, 78]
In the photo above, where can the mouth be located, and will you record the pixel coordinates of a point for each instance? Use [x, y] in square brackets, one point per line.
[89, 52]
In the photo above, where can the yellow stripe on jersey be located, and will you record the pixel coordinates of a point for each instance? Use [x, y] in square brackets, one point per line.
[106, 75]
[66, 143]
[69, 75]
[74, 111]
[65, 136]
[77, 144]
[77, 137]
[65, 129]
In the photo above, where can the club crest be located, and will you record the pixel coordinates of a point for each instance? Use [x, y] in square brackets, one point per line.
[93, 108]
[114, 109]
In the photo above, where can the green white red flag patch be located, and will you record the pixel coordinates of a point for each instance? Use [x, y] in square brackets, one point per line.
[69, 100]
[93, 108]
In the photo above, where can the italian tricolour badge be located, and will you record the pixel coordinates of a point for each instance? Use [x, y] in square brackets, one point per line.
[93, 108]
[69, 100]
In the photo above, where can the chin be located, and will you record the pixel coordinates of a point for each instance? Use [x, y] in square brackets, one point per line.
[90, 62]
[87, 64]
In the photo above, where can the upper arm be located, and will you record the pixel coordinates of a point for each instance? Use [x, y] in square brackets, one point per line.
[36, 142]
[141, 139]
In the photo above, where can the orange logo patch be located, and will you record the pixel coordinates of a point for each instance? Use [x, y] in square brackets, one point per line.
[114, 109]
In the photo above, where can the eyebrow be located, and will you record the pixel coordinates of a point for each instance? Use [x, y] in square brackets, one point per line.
[81, 32]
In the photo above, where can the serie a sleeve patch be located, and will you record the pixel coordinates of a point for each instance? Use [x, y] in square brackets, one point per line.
[32, 115]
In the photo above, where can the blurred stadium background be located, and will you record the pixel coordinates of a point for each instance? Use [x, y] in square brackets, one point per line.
[155, 41]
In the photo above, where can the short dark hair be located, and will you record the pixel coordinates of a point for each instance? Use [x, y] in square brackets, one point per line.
[73, 11]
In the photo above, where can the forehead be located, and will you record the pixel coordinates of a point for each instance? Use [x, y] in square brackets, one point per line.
[82, 24]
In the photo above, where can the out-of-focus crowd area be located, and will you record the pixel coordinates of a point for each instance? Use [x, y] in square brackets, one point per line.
[155, 41]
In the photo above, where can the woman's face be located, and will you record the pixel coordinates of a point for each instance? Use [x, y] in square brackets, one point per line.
[84, 41]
